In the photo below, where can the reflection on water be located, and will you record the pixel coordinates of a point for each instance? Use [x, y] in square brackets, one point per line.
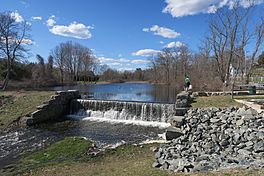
[126, 91]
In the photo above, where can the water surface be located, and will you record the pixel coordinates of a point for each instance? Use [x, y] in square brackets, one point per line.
[144, 92]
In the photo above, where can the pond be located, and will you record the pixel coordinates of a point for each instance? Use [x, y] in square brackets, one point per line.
[143, 92]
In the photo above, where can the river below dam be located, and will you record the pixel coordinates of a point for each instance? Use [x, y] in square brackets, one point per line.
[14, 144]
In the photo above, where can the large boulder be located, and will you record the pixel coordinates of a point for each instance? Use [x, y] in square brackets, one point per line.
[177, 121]
[172, 133]
[183, 100]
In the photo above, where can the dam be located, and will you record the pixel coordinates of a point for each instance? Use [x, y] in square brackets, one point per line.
[122, 110]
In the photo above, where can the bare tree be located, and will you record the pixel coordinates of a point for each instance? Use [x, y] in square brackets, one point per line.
[74, 61]
[49, 68]
[258, 35]
[13, 37]
[59, 55]
[229, 37]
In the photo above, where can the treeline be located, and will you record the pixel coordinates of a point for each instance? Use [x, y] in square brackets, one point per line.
[74, 62]
[67, 63]
[170, 66]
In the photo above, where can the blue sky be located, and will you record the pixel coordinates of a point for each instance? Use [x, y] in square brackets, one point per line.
[122, 33]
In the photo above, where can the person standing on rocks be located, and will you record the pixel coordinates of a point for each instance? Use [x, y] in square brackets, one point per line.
[187, 83]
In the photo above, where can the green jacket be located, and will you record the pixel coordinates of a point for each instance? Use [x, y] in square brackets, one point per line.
[187, 79]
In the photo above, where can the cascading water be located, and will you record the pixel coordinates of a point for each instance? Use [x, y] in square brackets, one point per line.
[123, 111]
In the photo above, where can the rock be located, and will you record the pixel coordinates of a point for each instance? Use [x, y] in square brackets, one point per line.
[249, 143]
[183, 100]
[156, 164]
[214, 120]
[177, 121]
[154, 149]
[172, 133]
[260, 135]
[181, 111]
[239, 122]
[165, 166]
[244, 152]
[259, 147]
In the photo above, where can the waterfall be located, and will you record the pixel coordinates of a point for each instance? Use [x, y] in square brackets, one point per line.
[122, 110]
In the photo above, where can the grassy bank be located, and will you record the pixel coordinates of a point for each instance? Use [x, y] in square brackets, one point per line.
[18, 103]
[214, 101]
[126, 160]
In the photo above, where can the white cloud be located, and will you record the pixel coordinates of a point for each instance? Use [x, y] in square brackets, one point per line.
[51, 21]
[174, 44]
[27, 42]
[12, 40]
[36, 18]
[108, 60]
[17, 17]
[162, 31]
[75, 30]
[122, 63]
[180, 8]
[146, 52]
[139, 61]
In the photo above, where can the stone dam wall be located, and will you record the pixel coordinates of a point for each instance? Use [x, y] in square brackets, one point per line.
[52, 110]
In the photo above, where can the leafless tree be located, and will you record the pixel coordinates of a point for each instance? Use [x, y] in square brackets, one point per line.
[73, 60]
[59, 55]
[229, 37]
[258, 35]
[13, 39]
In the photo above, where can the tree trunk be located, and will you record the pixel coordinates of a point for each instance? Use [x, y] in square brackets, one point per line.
[4, 86]
[61, 71]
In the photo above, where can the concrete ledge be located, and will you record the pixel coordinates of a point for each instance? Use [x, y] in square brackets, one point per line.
[257, 107]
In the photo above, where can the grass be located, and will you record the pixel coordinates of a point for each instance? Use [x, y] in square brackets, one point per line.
[65, 151]
[127, 160]
[214, 101]
[20, 103]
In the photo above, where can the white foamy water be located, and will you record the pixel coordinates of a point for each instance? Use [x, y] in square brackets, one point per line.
[110, 117]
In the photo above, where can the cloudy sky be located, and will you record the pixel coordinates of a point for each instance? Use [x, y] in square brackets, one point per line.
[121, 33]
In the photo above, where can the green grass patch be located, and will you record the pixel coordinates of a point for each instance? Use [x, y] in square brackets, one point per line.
[68, 149]
[214, 101]
[20, 103]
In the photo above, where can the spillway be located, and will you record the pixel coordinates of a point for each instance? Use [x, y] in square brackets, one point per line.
[122, 110]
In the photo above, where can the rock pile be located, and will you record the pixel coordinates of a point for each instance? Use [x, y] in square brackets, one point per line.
[183, 100]
[182, 104]
[215, 139]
